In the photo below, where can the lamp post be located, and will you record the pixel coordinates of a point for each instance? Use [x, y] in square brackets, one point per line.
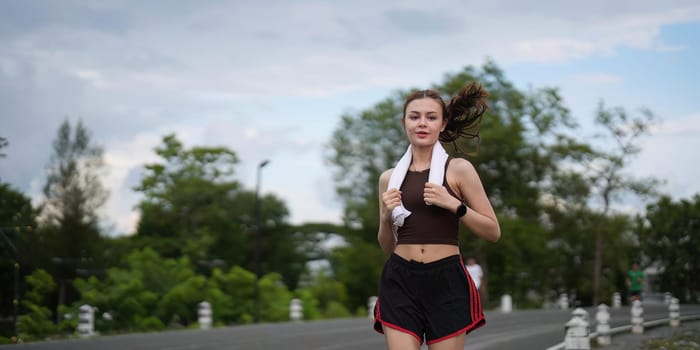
[256, 249]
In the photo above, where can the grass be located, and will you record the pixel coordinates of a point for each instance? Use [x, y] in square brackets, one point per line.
[687, 339]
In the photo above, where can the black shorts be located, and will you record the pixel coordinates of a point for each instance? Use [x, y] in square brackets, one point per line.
[435, 301]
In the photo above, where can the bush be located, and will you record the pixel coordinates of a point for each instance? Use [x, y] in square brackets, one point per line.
[36, 324]
[274, 298]
[150, 323]
[361, 311]
[309, 304]
[4, 340]
[335, 309]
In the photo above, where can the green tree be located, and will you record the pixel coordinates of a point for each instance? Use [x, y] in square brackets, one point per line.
[358, 267]
[287, 249]
[194, 206]
[187, 207]
[281, 244]
[17, 226]
[670, 239]
[606, 172]
[573, 225]
[70, 210]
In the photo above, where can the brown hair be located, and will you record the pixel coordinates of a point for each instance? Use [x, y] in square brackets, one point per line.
[463, 112]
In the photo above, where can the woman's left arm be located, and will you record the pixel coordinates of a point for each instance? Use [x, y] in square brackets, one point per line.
[480, 217]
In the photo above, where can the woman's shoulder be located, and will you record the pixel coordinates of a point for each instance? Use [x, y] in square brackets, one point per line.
[460, 165]
[384, 177]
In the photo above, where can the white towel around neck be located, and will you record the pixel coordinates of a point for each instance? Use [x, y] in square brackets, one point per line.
[436, 176]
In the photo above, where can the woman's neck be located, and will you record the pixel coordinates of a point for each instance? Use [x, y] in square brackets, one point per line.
[421, 158]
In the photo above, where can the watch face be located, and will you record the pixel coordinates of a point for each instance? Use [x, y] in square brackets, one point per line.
[461, 210]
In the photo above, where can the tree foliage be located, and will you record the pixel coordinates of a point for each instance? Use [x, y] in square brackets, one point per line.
[194, 206]
[73, 190]
[606, 174]
[17, 227]
[188, 200]
[670, 241]
[35, 323]
[73, 196]
[152, 292]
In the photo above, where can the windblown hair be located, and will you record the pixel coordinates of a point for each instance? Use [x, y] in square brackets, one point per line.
[463, 111]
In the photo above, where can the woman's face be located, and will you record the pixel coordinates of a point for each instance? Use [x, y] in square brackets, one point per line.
[423, 121]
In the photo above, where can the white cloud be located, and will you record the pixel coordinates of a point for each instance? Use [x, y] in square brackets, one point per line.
[250, 133]
[686, 126]
[550, 50]
[668, 154]
[598, 78]
[93, 77]
[123, 158]
[306, 206]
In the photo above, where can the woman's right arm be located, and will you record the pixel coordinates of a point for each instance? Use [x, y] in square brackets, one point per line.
[387, 201]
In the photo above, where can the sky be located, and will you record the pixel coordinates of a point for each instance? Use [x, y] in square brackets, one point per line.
[270, 79]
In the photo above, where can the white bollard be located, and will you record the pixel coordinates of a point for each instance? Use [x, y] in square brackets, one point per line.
[86, 321]
[674, 312]
[204, 314]
[580, 313]
[637, 313]
[617, 300]
[577, 332]
[564, 301]
[506, 303]
[371, 303]
[602, 326]
[296, 310]
[667, 298]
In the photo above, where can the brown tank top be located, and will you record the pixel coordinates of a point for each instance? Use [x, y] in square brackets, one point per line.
[427, 224]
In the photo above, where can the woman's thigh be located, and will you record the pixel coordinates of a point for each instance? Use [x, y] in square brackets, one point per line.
[397, 340]
[453, 343]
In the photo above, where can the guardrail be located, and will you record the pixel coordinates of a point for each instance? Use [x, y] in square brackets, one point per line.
[627, 328]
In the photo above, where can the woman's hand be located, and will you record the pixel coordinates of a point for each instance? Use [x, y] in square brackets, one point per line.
[435, 194]
[391, 199]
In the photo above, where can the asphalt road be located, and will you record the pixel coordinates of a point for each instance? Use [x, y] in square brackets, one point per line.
[529, 329]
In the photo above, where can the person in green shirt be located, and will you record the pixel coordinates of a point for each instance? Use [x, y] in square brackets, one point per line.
[635, 279]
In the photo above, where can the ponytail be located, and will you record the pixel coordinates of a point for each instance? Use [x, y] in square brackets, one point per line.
[463, 113]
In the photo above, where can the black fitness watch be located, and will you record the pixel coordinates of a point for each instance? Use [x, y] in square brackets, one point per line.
[461, 210]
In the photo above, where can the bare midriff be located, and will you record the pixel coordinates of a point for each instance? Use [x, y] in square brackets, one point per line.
[425, 253]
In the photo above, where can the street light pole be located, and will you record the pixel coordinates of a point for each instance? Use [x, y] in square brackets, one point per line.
[256, 252]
